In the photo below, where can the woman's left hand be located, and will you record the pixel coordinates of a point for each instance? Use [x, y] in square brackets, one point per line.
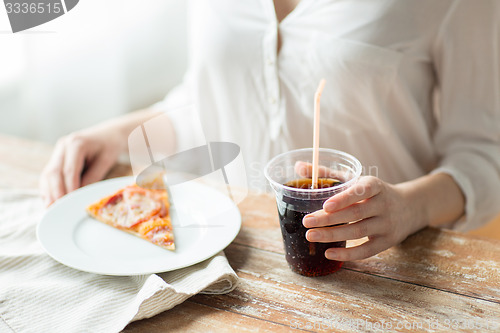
[371, 208]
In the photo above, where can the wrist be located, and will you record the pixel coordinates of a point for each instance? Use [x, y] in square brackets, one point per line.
[436, 199]
[119, 129]
[416, 208]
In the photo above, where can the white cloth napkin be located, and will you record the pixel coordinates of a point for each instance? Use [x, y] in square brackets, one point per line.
[38, 294]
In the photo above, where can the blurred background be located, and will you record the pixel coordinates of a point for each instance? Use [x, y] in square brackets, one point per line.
[100, 60]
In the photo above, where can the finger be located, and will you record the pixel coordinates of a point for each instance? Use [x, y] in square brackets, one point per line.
[304, 170]
[44, 191]
[56, 185]
[51, 181]
[356, 230]
[52, 187]
[370, 248]
[367, 187]
[361, 210]
[97, 169]
[73, 164]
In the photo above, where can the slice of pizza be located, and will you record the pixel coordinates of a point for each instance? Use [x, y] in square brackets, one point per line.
[140, 211]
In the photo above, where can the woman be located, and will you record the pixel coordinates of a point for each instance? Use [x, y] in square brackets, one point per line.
[412, 91]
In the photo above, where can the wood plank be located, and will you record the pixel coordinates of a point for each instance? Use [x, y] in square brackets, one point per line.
[195, 317]
[260, 224]
[434, 258]
[269, 290]
[443, 260]
[345, 301]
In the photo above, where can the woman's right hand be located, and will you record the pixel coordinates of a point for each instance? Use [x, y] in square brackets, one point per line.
[81, 158]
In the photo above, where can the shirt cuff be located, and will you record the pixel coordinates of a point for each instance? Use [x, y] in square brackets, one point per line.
[465, 185]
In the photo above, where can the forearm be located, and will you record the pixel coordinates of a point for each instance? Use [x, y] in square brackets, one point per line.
[125, 124]
[437, 198]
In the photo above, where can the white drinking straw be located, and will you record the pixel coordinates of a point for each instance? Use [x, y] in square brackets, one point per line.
[315, 163]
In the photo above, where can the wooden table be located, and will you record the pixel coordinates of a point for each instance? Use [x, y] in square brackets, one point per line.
[435, 280]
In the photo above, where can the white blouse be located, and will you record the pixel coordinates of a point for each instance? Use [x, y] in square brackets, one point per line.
[383, 62]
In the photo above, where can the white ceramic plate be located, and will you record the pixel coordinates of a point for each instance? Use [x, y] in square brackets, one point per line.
[205, 222]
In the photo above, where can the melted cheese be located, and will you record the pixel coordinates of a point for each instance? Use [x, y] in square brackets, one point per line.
[133, 207]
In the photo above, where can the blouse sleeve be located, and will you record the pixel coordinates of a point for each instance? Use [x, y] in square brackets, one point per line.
[466, 54]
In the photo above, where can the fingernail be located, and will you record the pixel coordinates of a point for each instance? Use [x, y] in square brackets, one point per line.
[313, 236]
[332, 255]
[329, 207]
[309, 221]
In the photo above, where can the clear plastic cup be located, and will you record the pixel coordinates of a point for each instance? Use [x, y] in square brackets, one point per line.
[304, 257]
